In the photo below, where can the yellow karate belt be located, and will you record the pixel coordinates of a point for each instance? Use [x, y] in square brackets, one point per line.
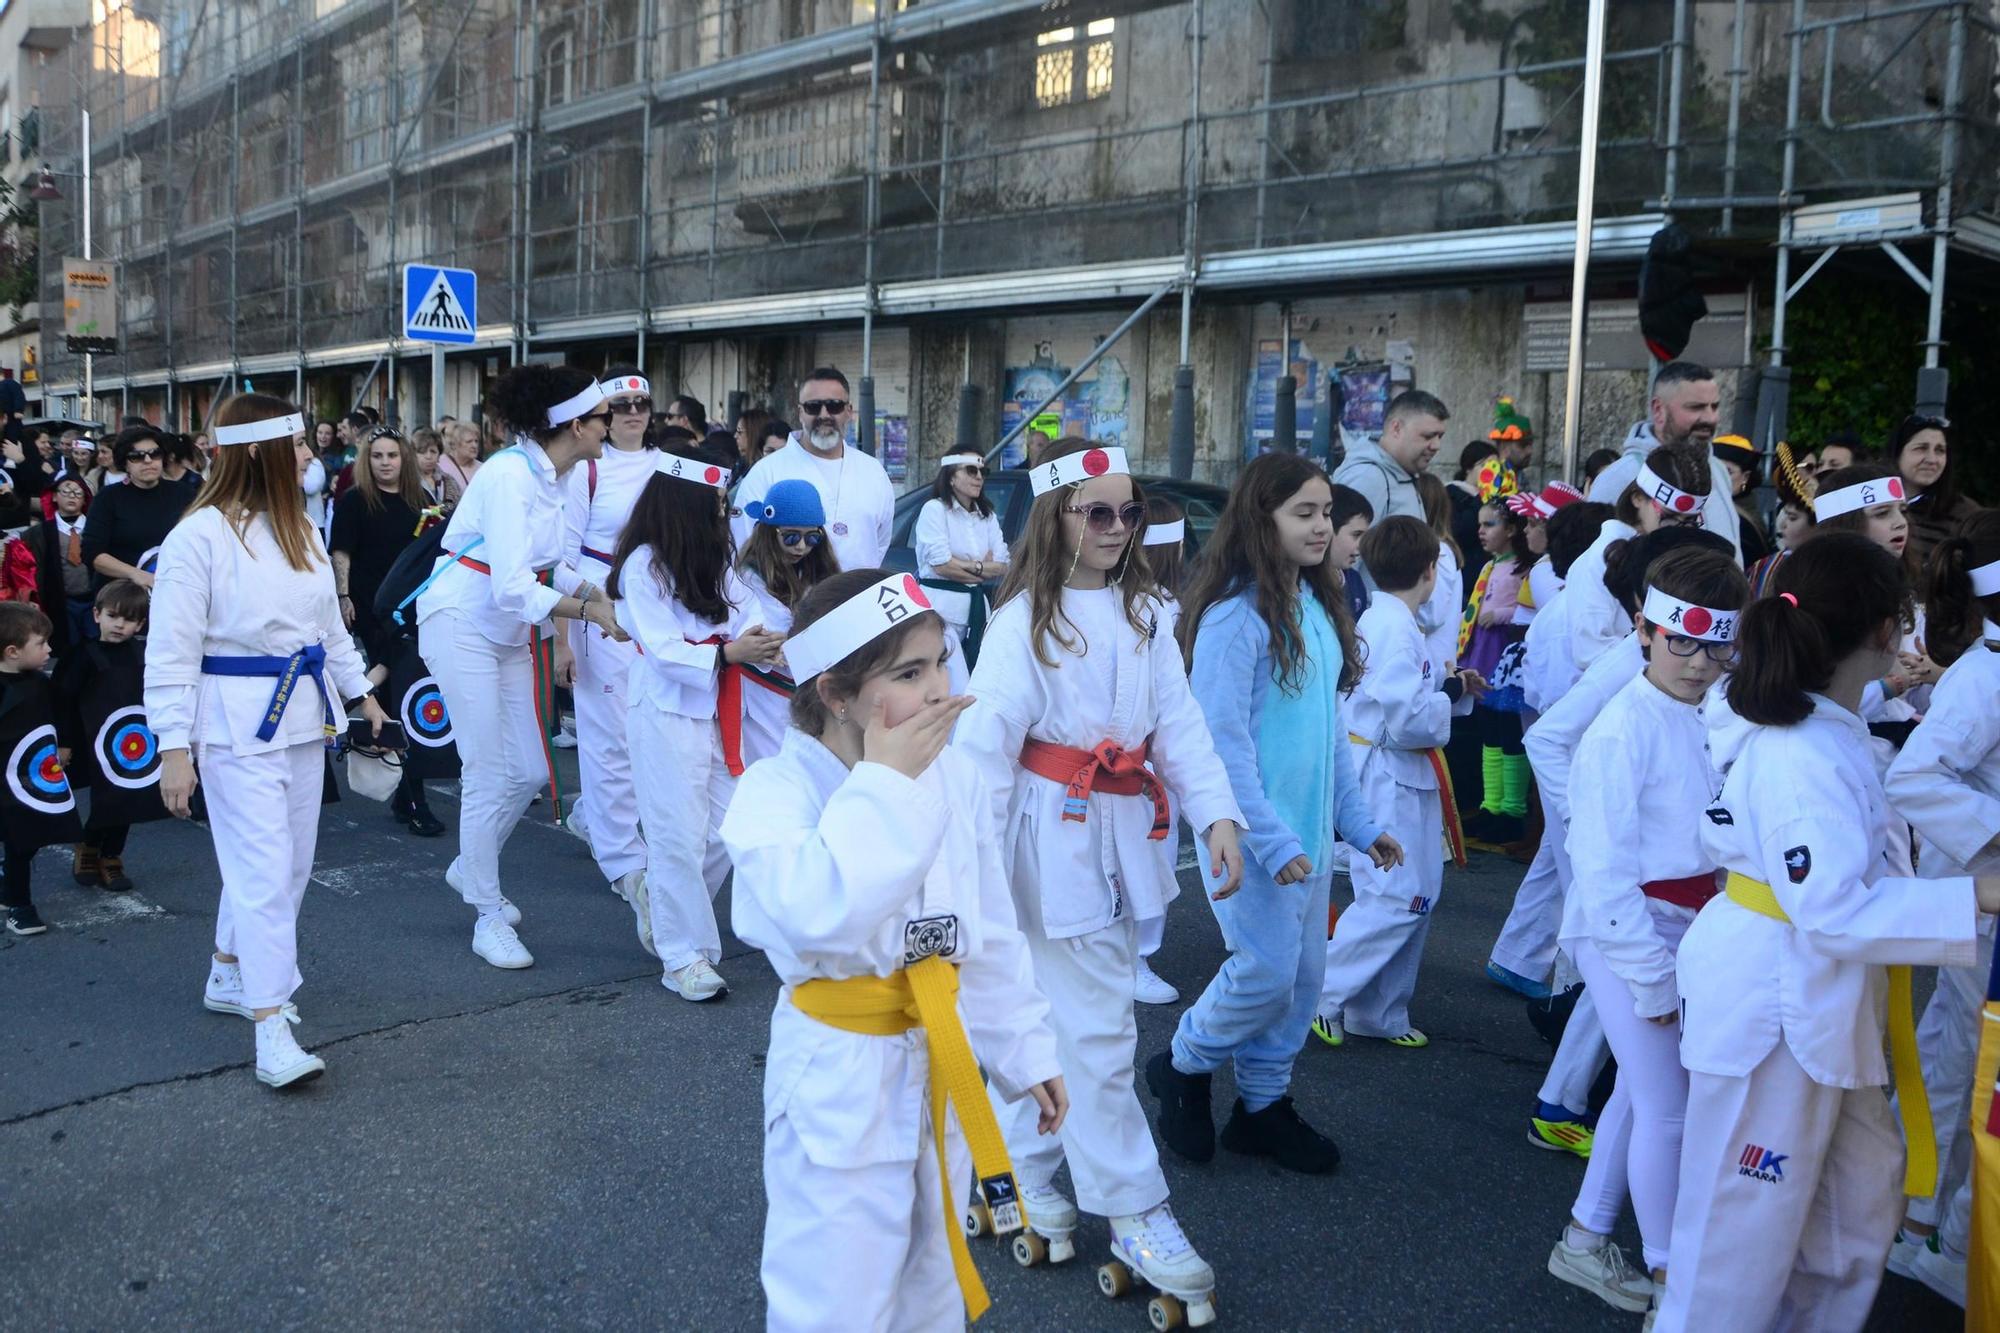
[1920, 1167]
[925, 994]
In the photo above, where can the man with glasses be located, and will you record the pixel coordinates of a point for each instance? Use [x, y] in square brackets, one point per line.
[860, 503]
[1683, 414]
[688, 413]
[127, 523]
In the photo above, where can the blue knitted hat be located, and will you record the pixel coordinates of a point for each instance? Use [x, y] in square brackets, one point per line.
[789, 504]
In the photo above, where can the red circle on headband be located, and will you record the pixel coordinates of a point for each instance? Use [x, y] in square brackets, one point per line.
[915, 592]
[1096, 463]
[712, 476]
[1896, 487]
[1683, 502]
[1696, 620]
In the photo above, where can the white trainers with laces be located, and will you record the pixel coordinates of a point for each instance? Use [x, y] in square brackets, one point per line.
[1149, 987]
[574, 825]
[495, 941]
[1605, 1272]
[697, 981]
[507, 909]
[631, 886]
[224, 992]
[1153, 1245]
[280, 1062]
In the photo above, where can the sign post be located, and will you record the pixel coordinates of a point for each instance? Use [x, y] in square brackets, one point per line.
[440, 307]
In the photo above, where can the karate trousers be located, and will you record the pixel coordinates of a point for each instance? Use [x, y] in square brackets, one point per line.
[685, 862]
[1948, 1045]
[1378, 945]
[609, 803]
[490, 689]
[1796, 1243]
[1527, 942]
[263, 813]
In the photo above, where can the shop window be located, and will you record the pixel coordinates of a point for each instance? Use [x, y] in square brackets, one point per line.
[1074, 64]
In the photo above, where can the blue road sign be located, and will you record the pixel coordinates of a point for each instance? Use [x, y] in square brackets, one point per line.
[440, 305]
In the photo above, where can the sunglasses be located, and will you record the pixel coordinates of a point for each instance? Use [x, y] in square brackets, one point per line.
[823, 407]
[811, 537]
[604, 417]
[1103, 517]
[1723, 654]
[143, 456]
[976, 469]
[631, 407]
[1918, 421]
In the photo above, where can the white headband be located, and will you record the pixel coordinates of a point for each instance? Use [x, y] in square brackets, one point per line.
[626, 384]
[691, 469]
[1689, 621]
[960, 460]
[853, 625]
[1075, 469]
[1858, 496]
[1665, 493]
[571, 408]
[1166, 534]
[1986, 579]
[270, 428]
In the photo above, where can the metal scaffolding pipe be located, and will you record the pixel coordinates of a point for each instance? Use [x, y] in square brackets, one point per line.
[1788, 180]
[871, 197]
[1096, 352]
[1736, 73]
[1586, 191]
[1676, 64]
[1954, 74]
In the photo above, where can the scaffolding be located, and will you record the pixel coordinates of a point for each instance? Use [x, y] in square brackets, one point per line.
[645, 171]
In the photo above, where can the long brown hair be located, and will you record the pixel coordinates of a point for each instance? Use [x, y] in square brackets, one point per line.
[1043, 561]
[1953, 614]
[261, 478]
[407, 485]
[1828, 596]
[1244, 553]
[788, 580]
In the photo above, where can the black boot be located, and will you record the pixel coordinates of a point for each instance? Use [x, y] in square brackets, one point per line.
[401, 804]
[419, 817]
[1277, 1132]
[1187, 1125]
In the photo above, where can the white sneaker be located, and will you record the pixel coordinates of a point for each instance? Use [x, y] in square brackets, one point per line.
[224, 992]
[507, 909]
[631, 886]
[1153, 1245]
[1604, 1272]
[280, 1062]
[697, 981]
[574, 825]
[494, 940]
[1939, 1271]
[1149, 987]
[565, 737]
[1049, 1212]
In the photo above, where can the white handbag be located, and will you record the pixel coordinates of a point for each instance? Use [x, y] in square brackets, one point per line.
[375, 776]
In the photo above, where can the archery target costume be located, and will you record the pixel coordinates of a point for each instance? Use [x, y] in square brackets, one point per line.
[38, 808]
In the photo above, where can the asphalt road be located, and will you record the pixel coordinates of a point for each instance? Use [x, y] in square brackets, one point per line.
[573, 1146]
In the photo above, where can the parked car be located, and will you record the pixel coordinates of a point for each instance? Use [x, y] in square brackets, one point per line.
[1011, 496]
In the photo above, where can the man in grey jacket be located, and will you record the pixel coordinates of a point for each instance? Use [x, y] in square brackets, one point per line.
[1386, 474]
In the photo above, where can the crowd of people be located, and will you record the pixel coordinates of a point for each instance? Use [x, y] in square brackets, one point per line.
[951, 800]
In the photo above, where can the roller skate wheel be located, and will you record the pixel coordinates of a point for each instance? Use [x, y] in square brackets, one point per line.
[1114, 1279]
[977, 1221]
[1062, 1251]
[1030, 1249]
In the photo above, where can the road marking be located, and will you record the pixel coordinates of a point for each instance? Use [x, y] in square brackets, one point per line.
[108, 909]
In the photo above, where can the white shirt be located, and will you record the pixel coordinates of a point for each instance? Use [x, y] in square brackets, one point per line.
[948, 530]
[1551, 743]
[1440, 612]
[1946, 781]
[1801, 810]
[1596, 621]
[1397, 708]
[676, 672]
[1640, 782]
[510, 519]
[594, 521]
[860, 503]
[216, 594]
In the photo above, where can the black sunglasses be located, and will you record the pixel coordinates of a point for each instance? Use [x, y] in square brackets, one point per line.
[811, 539]
[976, 469]
[824, 407]
[143, 456]
[1100, 517]
[604, 417]
[631, 406]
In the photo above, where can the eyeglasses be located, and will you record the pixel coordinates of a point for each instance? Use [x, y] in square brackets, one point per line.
[1722, 654]
[1102, 517]
[631, 407]
[823, 407]
[143, 456]
[1694, 520]
[810, 536]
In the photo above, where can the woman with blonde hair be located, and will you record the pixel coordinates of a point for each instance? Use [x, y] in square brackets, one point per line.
[245, 628]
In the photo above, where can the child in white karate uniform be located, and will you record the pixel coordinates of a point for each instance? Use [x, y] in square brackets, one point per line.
[676, 593]
[785, 557]
[1077, 688]
[862, 874]
[1789, 1191]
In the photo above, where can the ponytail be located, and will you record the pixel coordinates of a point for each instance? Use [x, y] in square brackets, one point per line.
[1953, 616]
[1829, 595]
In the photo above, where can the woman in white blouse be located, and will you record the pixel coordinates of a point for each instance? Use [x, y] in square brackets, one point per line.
[500, 579]
[959, 551]
[247, 666]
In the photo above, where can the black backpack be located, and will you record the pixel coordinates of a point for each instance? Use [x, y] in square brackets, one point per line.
[409, 575]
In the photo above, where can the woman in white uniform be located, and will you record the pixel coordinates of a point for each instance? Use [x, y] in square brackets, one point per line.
[786, 557]
[1790, 1191]
[862, 874]
[498, 585]
[245, 630]
[959, 551]
[598, 500]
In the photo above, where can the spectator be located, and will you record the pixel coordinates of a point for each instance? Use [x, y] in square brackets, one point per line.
[460, 456]
[437, 488]
[1739, 463]
[13, 403]
[105, 469]
[62, 572]
[1920, 452]
[372, 524]
[860, 502]
[183, 463]
[750, 436]
[1463, 489]
[688, 413]
[776, 435]
[1682, 415]
[1842, 449]
[127, 523]
[1598, 460]
[1385, 474]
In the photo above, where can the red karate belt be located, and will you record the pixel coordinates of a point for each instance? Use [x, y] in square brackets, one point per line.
[1454, 831]
[728, 706]
[1690, 891]
[542, 654]
[1106, 768]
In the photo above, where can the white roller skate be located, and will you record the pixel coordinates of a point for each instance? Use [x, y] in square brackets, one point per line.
[1152, 1248]
[1051, 1223]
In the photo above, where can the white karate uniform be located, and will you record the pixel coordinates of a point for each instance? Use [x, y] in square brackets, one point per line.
[1526, 945]
[1396, 711]
[220, 594]
[1596, 621]
[672, 728]
[1641, 784]
[859, 500]
[1440, 614]
[473, 631]
[945, 530]
[1946, 782]
[597, 504]
[766, 712]
[831, 867]
[1153, 929]
[1790, 1168]
[1079, 886]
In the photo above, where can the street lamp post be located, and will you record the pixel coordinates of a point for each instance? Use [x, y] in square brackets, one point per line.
[45, 191]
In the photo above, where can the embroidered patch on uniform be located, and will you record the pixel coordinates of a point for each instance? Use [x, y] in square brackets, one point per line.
[1761, 1163]
[1003, 1202]
[1419, 905]
[1719, 814]
[930, 936]
[1798, 864]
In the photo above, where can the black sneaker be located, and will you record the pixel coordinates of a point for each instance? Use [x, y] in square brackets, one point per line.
[1277, 1132]
[422, 822]
[24, 921]
[1187, 1125]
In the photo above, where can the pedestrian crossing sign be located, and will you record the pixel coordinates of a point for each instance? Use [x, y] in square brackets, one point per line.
[440, 305]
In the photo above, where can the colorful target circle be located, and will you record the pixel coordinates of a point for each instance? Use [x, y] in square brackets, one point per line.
[425, 716]
[128, 754]
[35, 774]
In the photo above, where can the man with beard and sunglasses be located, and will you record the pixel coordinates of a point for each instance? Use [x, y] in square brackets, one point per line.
[860, 503]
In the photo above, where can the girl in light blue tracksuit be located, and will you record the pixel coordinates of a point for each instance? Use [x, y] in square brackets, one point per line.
[1270, 646]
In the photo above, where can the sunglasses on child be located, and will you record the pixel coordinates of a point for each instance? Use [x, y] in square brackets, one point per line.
[811, 537]
[1102, 517]
[1722, 654]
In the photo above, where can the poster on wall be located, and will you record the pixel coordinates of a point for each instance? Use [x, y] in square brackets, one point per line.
[1096, 407]
[1264, 376]
[1365, 398]
[892, 443]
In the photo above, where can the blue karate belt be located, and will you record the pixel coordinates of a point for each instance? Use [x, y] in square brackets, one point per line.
[309, 661]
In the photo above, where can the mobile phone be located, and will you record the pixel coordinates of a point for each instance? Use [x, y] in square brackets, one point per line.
[360, 736]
